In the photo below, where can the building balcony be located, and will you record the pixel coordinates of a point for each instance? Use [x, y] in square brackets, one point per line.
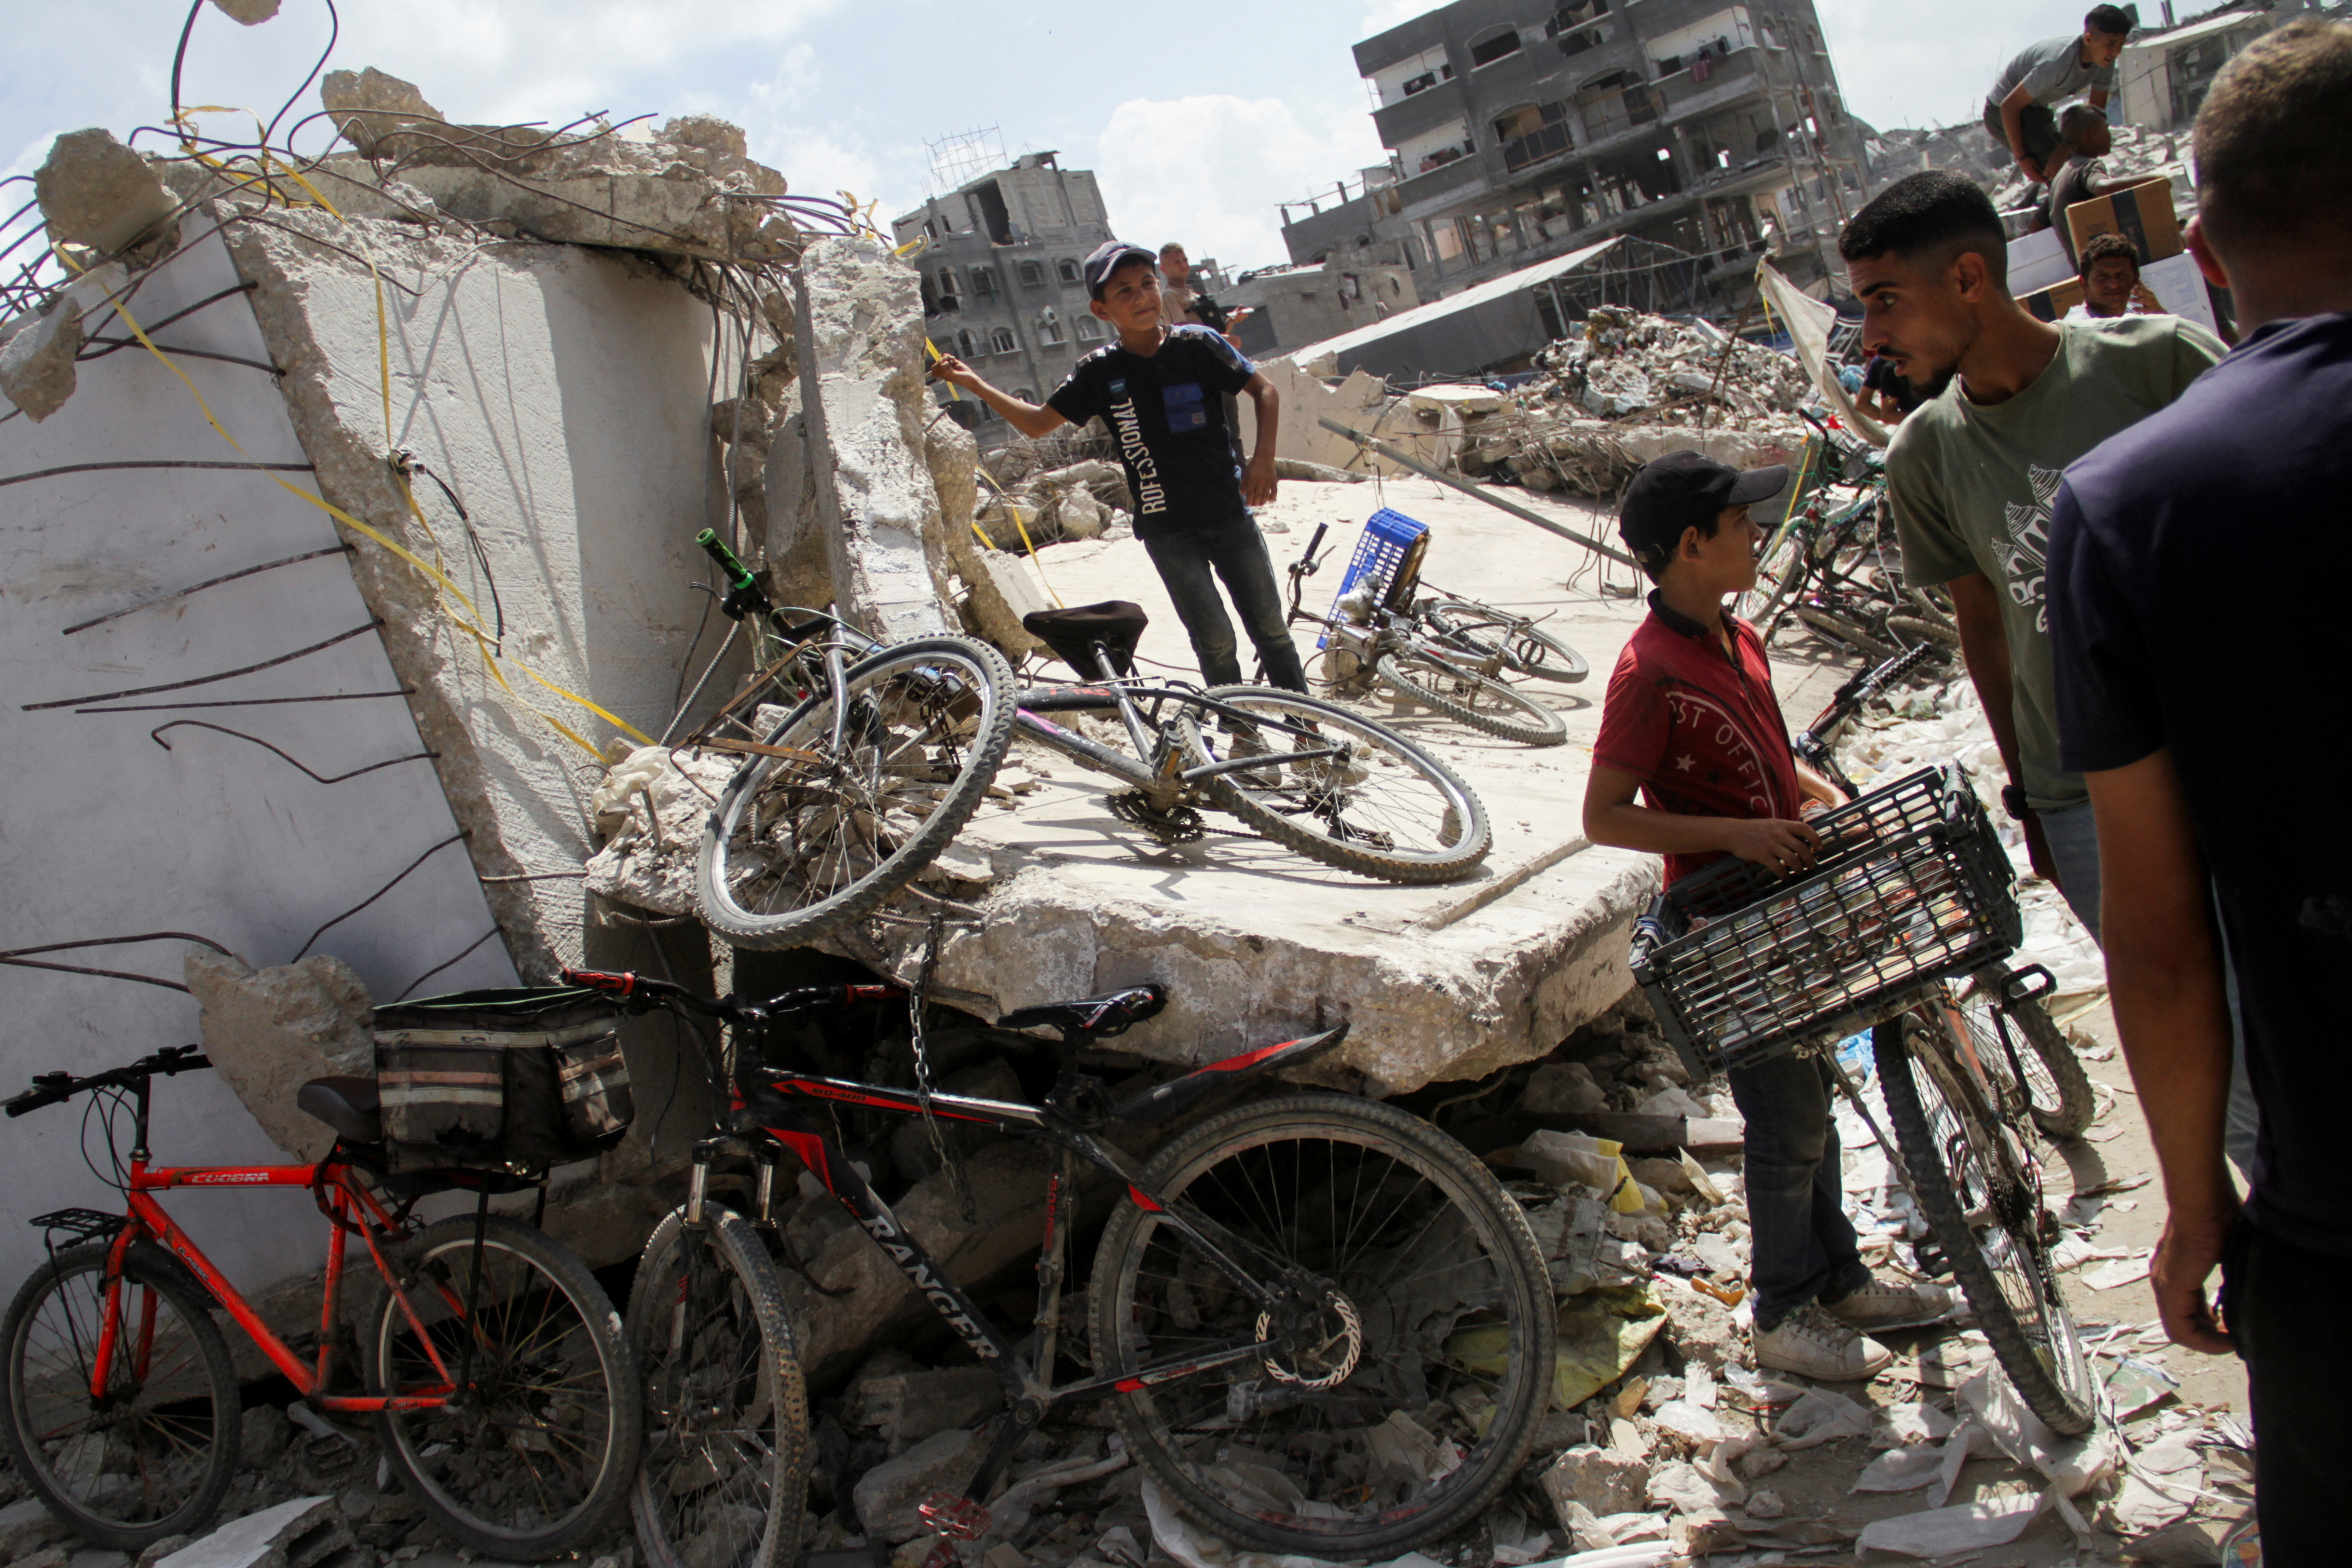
[1421, 194]
[1525, 153]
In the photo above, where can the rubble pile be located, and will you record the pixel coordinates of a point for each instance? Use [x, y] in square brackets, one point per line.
[1565, 429]
[2137, 154]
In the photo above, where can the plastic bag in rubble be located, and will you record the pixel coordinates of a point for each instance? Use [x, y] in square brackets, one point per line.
[1194, 1547]
[1601, 1333]
[647, 768]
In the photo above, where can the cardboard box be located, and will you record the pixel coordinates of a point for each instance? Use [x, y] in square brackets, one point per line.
[2142, 214]
[2052, 303]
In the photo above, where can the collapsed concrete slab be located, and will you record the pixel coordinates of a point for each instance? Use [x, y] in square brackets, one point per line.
[269, 1032]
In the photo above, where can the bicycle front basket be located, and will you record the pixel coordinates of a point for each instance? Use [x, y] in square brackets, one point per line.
[1912, 885]
[531, 1077]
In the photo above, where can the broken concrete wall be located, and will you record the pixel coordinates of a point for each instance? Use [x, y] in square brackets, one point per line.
[127, 812]
[563, 394]
[861, 329]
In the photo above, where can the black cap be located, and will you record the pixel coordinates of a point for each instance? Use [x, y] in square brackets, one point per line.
[1684, 490]
[1109, 257]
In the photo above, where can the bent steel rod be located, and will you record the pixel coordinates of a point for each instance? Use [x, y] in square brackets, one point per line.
[1393, 456]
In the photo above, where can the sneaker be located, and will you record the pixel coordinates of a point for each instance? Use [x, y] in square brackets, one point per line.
[1812, 1343]
[1878, 1305]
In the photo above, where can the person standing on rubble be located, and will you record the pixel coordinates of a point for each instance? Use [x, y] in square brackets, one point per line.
[1691, 724]
[2016, 110]
[1161, 390]
[2012, 400]
[2176, 644]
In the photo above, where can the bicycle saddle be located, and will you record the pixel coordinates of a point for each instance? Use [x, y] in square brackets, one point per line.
[349, 1105]
[1108, 1014]
[1072, 633]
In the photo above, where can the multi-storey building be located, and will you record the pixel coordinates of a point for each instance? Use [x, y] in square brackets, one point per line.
[1520, 129]
[1001, 288]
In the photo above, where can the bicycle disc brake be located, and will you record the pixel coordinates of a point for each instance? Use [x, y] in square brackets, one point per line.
[1332, 1357]
[1176, 825]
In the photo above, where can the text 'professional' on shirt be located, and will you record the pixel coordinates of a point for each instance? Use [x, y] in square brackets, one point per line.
[1167, 419]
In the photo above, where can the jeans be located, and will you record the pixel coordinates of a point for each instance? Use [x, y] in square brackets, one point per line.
[1801, 1247]
[2283, 1306]
[2074, 840]
[1236, 551]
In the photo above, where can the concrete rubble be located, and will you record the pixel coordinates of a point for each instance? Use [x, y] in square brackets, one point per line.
[271, 1031]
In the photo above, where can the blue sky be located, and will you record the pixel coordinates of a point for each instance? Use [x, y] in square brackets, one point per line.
[1198, 117]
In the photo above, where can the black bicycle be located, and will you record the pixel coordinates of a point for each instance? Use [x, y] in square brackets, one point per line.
[1287, 1291]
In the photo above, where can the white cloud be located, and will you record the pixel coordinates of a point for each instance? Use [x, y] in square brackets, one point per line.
[1913, 65]
[1380, 15]
[1209, 170]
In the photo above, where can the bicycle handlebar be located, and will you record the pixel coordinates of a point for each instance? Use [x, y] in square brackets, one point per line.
[630, 987]
[52, 1088]
[739, 575]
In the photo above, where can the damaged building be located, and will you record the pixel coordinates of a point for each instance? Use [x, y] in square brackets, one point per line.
[1526, 132]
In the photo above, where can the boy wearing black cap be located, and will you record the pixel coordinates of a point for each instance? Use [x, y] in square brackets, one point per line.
[1161, 389]
[1691, 722]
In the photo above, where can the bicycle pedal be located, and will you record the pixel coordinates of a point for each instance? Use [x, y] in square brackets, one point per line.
[958, 1518]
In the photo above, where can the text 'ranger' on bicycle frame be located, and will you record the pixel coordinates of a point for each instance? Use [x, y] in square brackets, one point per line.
[1162, 391]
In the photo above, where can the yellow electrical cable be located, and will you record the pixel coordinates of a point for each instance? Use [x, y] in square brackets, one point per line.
[435, 573]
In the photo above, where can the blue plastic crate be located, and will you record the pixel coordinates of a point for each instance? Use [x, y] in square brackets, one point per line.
[1379, 550]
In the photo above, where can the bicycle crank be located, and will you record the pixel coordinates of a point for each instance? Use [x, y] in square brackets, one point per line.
[1176, 825]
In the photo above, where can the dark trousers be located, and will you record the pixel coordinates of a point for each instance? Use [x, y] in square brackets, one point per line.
[2037, 128]
[2283, 1305]
[1801, 1247]
[1235, 552]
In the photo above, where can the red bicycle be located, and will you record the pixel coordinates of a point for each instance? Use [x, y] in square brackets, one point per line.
[492, 1362]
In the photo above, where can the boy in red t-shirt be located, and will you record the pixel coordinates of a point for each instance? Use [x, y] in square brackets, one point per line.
[1691, 722]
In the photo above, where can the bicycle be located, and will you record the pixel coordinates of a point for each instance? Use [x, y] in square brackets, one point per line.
[1911, 890]
[2046, 1080]
[1376, 633]
[857, 788]
[1296, 1282]
[493, 1365]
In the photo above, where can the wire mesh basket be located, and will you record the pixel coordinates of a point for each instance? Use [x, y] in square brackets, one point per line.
[1912, 885]
[1379, 550]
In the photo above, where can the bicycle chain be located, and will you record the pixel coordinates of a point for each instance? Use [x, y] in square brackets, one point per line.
[917, 1006]
[1176, 825]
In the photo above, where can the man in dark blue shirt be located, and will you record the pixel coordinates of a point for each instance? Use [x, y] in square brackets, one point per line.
[2192, 561]
[1161, 389]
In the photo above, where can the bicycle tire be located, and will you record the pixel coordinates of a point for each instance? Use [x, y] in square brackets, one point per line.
[1387, 809]
[1785, 564]
[1457, 693]
[1919, 629]
[170, 1451]
[1519, 642]
[1986, 1212]
[1840, 629]
[567, 1387]
[2055, 1090]
[724, 1480]
[794, 850]
[1472, 1325]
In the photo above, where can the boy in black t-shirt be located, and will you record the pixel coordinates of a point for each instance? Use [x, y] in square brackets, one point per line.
[1161, 390]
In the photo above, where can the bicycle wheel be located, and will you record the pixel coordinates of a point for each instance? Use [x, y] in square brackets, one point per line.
[1467, 697]
[1915, 629]
[155, 1455]
[725, 1479]
[1846, 631]
[1519, 642]
[533, 1455]
[1982, 1196]
[1783, 568]
[1384, 807]
[799, 846]
[1414, 1301]
[2035, 1067]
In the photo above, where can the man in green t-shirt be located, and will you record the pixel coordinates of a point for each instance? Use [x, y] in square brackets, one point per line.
[2013, 401]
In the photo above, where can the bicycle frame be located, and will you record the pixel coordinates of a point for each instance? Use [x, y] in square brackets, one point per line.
[354, 1211]
[1158, 772]
[766, 1113]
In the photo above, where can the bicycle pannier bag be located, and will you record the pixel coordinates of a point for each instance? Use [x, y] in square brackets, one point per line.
[528, 1077]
